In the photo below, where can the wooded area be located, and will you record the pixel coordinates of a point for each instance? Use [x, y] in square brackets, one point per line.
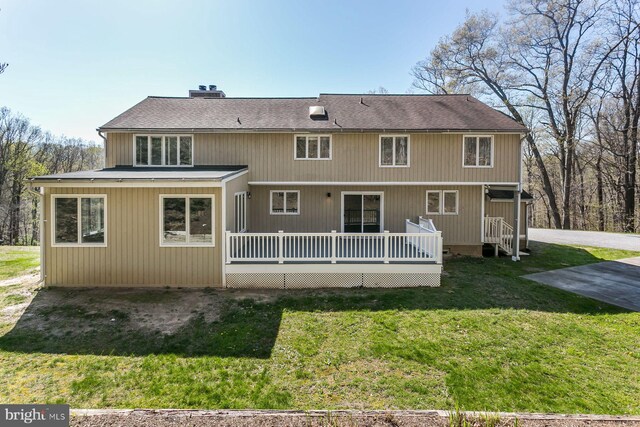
[569, 71]
[25, 151]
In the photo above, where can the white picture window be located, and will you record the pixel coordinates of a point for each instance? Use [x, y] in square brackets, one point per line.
[285, 202]
[477, 151]
[442, 202]
[394, 151]
[163, 150]
[312, 147]
[187, 220]
[79, 220]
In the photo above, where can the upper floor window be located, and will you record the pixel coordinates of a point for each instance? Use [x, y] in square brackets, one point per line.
[394, 150]
[79, 220]
[163, 150]
[313, 147]
[477, 151]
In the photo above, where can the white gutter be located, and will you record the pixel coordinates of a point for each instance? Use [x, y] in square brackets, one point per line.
[384, 183]
[311, 130]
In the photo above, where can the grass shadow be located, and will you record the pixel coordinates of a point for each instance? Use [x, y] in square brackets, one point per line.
[245, 324]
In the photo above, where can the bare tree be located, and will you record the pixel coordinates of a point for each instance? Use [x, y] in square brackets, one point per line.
[474, 59]
[624, 66]
[548, 57]
[26, 151]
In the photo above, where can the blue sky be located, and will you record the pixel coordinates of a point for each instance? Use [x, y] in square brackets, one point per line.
[74, 65]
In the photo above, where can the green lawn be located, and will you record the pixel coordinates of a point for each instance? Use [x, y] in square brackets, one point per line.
[485, 340]
[18, 260]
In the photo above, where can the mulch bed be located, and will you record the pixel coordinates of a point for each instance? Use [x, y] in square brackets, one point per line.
[162, 418]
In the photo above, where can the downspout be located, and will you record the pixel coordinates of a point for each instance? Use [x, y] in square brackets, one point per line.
[223, 234]
[104, 148]
[482, 208]
[40, 195]
[526, 225]
[516, 209]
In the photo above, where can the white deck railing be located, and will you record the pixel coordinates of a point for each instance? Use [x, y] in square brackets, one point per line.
[421, 246]
[498, 231]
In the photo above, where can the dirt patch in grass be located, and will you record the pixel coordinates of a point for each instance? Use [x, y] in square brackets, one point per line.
[20, 281]
[15, 295]
[163, 311]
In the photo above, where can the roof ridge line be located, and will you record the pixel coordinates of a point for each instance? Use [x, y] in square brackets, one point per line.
[232, 97]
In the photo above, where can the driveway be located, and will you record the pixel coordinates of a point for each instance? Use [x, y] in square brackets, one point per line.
[613, 282]
[630, 242]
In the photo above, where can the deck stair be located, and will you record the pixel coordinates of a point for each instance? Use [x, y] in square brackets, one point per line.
[499, 234]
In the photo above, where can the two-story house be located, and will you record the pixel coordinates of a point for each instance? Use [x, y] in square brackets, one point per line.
[334, 190]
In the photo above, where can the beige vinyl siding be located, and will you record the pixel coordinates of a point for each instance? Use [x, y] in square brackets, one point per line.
[119, 149]
[319, 213]
[505, 210]
[435, 157]
[133, 256]
[231, 188]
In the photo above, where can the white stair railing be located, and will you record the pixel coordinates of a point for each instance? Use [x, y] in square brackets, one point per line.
[427, 223]
[498, 232]
[425, 226]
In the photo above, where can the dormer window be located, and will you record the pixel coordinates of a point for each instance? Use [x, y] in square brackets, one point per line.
[163, 150]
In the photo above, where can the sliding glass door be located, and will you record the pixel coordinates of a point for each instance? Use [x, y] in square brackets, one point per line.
[362, 212]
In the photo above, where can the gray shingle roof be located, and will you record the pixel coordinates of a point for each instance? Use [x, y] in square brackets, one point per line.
[130, 173]
[344, 112]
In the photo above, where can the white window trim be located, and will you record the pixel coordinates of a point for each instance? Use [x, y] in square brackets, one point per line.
[306, 149]
[163, 137]
[271, 212]
[362, 193]
[188, 244]
[394, 151]
[441, 194]
[457, 202]
[426, 206]
[79, 243]
[477, 137]
[242, 195]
